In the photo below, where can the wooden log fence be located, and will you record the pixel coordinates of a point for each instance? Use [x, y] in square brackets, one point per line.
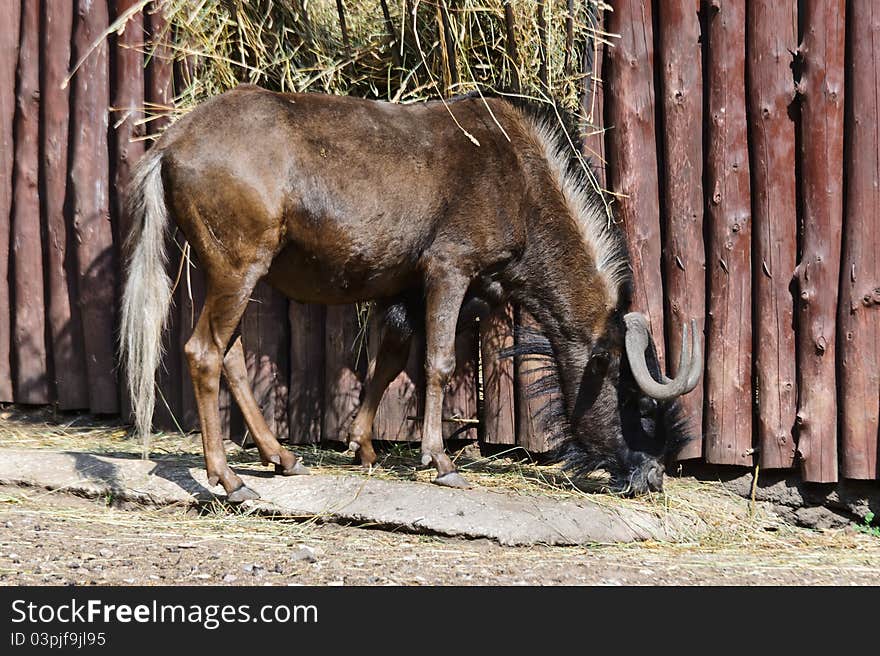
[738, 141]
[729, 307]
[821, 90]
[858, 321]
[681, 147]
[771, 31]
[65, 320]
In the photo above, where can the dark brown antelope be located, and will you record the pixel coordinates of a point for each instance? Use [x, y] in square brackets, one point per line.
[418, 207]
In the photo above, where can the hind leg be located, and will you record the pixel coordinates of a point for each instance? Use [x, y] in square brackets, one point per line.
[395, 328]
[225, 302]
[235, 370]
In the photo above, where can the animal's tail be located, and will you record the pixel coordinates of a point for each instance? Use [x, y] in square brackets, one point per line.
[147, 293]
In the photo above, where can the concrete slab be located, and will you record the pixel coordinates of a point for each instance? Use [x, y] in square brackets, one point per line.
[509, 518]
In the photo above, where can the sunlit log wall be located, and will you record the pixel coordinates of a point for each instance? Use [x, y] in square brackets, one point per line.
[739, 141]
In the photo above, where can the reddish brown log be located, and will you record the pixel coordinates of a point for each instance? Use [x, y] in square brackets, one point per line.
[127, 103]
[306, 388]
[266, 340]
[345, 365]
[530, 432]
[160, 73]
[29, 338]
[510, 45]
[821, 89]
[178, 408]
[772, 37]
[632, 151]
[728, 422]
[460, 397]
[542, 45]
[859, 312]
[684, 257]
[65, 320]
[499, 397]
[592, 103]
[10, 16]
[89, 181]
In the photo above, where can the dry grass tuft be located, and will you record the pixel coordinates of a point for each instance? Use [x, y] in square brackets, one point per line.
[723, 522]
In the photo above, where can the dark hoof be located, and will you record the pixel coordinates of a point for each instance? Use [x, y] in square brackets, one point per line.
[244, 493]
[298, 469]
[453, 479]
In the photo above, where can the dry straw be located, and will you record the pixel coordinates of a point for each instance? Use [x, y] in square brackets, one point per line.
[396, 50]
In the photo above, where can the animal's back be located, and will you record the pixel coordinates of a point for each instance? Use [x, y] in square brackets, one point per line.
[347, 192]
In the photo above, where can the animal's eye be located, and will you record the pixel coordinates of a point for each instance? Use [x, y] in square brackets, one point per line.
[647, 406]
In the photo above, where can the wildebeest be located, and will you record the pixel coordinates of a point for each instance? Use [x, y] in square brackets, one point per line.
[418, 207]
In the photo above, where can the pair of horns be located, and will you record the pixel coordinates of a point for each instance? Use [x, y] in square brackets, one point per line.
[690, 360]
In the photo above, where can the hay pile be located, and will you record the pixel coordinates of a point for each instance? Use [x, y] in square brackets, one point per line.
[396, 50]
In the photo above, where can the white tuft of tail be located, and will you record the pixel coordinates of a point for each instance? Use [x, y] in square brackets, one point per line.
[147, 293]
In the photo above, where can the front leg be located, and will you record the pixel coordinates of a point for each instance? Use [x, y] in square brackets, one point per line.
[445, 292]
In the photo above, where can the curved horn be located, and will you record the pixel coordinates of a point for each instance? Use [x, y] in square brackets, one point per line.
[638, 339]
[696, 367]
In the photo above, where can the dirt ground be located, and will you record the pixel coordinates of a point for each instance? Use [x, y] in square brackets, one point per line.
[50, 538]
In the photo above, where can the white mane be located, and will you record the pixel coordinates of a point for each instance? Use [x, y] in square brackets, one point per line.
[599, 235]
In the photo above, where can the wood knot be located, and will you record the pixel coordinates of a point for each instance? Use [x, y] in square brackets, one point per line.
[821, 345]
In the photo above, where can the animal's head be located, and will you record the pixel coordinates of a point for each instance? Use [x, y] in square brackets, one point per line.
[625, 418]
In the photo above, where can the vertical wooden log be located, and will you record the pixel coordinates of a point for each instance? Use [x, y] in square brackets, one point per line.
[569, 36]
[499, 396]
[127, 103]
[728, 422]
[530, 432]
[29, 336]
[543, 76]
[460, 397]
[65, 321]
[160, 74]
[178, 408]
[510, 45]
[632, 151]
[340, 12]
[128, 106]
[266, 340]
[344, 371]
[681, 138]
[859, 309]
[447, 34]
[89, 182]
[821, 90]
[10, 16]
[772, 37]
[592, 103]
[306, 388]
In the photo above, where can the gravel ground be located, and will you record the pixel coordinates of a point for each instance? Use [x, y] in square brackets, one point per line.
[54, 539]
